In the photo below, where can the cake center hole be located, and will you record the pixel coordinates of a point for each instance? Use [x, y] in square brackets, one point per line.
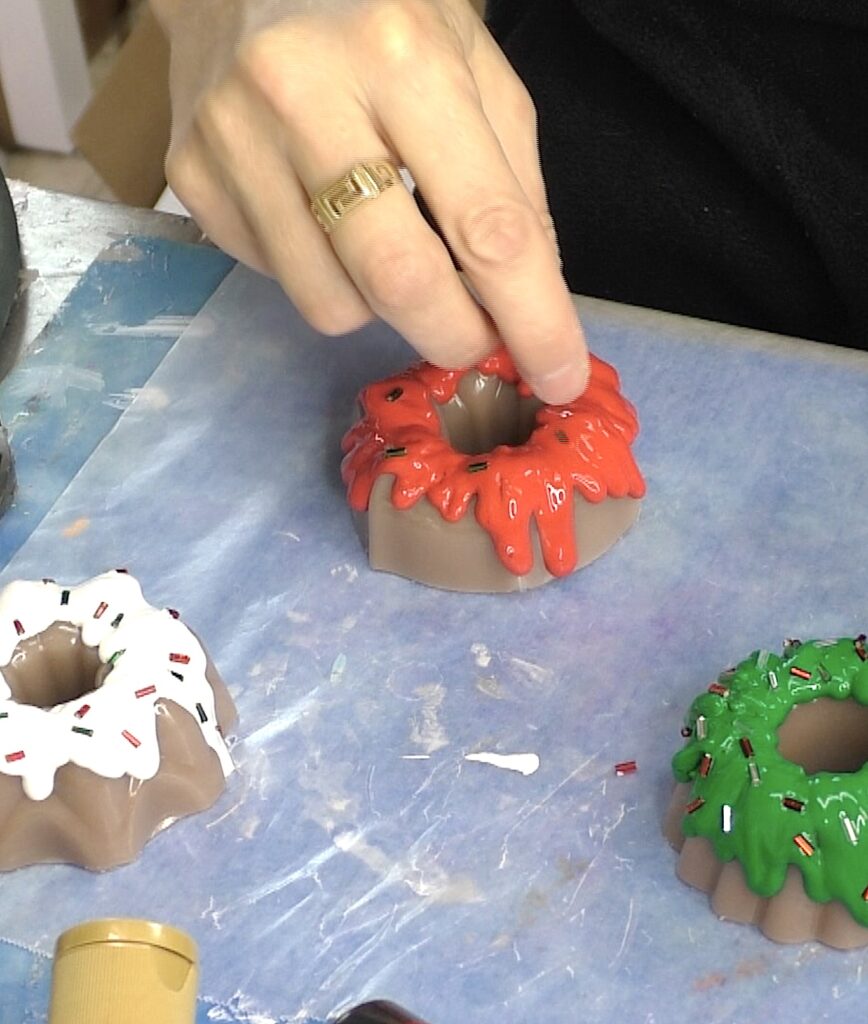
[53, 667]
[826, 735]
[485, 413]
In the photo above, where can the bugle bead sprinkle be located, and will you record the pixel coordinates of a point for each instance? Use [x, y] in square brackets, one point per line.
[394, 453]
[82, 731]
[201, 712]
[174, 613]
[773, 679]
[754, 772]
[180, 659]
[178, 676]
[100, 610]
[561, 436]
[705, 765]
[4, 714]
[859, 645]
[849, 829]
[82, 711]
[762, 659]
[800, 673]
[117, 620]
[117, 654]
[477, 467]
[625, 767]
[726, 818]
[718, 690]
[145, 691]
[16, 755]
[792, 804]
[804, 844]
[701, 727]
[746, 746]
[694, 805]
[64, 597]
[394, 394]
[825, 674]
[19, 629]
[134, 741]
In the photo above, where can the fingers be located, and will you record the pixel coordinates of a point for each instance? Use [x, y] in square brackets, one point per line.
[408, 279]
[197, 184]
[267, 208]
[493, 226]
[312, 97]
[511, 113]
[395, 261]
[404, 271]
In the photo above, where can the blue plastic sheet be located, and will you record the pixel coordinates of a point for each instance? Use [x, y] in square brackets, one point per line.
[356, 852]
[90, 362]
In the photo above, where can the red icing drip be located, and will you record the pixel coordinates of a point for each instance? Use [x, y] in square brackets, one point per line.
[532, 480]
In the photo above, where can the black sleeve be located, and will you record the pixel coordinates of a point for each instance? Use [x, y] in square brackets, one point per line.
[706, 158]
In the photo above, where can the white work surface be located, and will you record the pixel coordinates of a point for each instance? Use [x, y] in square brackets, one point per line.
[356, 852]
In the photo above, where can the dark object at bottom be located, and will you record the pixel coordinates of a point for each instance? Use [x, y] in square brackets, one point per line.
[379, 1012]
[7, 472]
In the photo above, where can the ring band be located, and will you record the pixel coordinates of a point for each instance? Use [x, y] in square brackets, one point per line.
[362, 182]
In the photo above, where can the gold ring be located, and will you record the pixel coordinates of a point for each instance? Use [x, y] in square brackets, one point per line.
[362, 182]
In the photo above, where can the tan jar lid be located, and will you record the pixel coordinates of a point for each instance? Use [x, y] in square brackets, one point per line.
[124, 971]
[128, 929]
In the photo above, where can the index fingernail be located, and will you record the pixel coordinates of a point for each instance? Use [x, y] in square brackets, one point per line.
[561, 385]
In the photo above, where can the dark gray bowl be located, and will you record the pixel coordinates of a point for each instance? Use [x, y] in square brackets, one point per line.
[10, 265]
[10, 254]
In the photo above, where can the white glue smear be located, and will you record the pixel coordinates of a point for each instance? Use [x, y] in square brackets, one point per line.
[157, 327]
[526, 764]
[481, 655]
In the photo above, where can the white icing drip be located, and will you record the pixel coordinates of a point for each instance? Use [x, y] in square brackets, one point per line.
[526, 764]
[122, 739]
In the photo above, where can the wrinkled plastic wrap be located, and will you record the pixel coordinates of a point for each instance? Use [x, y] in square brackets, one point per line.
[356, 853]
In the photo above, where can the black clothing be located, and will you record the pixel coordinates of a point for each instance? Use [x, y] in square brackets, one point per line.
[706, 156]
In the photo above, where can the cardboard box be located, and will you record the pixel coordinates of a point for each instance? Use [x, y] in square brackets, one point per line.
[44, 71]
[96, 20]
[124, 133]
[124, 130]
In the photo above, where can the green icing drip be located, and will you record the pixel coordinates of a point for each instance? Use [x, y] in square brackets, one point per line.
[762, 827]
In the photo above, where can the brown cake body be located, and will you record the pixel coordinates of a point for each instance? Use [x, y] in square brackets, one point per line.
[98, 817]
[789, 916]
[822, 735]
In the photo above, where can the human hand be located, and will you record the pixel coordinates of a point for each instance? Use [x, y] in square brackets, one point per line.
[276, 99]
